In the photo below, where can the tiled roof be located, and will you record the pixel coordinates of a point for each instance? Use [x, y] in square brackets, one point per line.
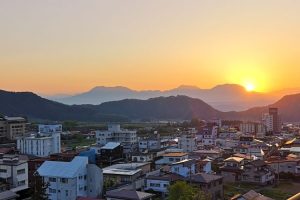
[129, 194]
[175, 154]
[204, 178]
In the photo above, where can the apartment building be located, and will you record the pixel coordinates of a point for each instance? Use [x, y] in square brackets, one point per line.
[14, 172]
[12, 127]
[187, 142]
[42, 144]
[69, 180]
[127, 138]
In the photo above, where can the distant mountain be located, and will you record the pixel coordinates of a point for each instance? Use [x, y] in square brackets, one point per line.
[223, 97]
[160, 108]
[35, 107]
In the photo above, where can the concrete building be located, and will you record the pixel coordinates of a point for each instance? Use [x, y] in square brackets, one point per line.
[69, 180]
[272, 121]
[41, 144]
[187, 142]
[12, 127]
[14, 172]
[127, 138]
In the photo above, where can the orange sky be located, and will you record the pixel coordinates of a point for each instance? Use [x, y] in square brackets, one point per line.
[70, 46]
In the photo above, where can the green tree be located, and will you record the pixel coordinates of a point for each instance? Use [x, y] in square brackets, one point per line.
[40, 187]
[183, 191]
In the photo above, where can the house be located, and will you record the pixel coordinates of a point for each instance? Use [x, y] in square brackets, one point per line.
[184, 168]
[68, 180]
[209, 183]
[204, 166]
[208, 136]
[202, 154]
[125, 173]
[111, 152]
[257, 172]
[162, 182]
[170, 158]
[251, 195]
[128, 195]
[287, 164]
[232, 169]
[14, 172]
[142, 157]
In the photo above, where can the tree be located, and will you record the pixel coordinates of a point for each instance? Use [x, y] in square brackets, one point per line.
[40, 187]
[183, 191]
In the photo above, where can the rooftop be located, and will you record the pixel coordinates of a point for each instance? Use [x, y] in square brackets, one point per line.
[234, 159]
[205, 178]
[175, 154]
[129, 194]
[111, 145]
[62, 169]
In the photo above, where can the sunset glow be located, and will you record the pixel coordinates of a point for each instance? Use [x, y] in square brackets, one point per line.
[146, 45]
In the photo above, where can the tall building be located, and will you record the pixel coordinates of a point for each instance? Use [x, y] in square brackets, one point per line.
[127, 138]
[69, 180]
[14, 172]
[272, 120]
[44, 143]
[12, 127]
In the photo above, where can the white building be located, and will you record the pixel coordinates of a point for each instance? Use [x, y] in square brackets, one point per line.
[187, 142]
[41, 144]
[184, 168]
[127, 138]
[69, 180]
[267, 120]
[14, 171]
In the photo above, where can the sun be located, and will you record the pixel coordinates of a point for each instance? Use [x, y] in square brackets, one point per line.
[249, 87]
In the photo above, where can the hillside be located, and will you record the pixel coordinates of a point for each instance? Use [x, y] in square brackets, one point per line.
[160, 108]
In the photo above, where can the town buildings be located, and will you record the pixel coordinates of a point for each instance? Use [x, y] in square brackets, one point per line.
[68, 180]
[42, 144]
[12, 127]
[127, 138]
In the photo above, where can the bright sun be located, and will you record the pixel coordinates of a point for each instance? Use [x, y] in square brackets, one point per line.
[249, 87]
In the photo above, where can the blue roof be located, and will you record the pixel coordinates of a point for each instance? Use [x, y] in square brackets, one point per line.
[62, 169]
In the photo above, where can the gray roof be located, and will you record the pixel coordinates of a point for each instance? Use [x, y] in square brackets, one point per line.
[111, 145]
[205, 178]
[6, 195]
[129, 194]
[62, 169]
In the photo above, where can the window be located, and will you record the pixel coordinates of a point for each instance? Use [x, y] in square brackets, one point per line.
[3, 170]
[67, 193]
[64, 180]
[21, 171]
[84, 177]
[52, 190]
[52, 179]
[21, 183]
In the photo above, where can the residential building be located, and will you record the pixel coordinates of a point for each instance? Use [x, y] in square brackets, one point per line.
[289, 164]
[251, 195]
[69, 180]
[170, 158]
[8, 195]
[12, 127]
[14, 172]
[272, 121]
[257, 172]
[184, 168]
[160, 183]
[187, 142]
[111, 152]
[125, 173]
[209, 183]
[232, 169]
[41, 145]
[127, 138]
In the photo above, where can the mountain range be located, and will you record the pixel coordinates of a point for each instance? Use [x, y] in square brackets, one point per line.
[225, 97]
[159, 108]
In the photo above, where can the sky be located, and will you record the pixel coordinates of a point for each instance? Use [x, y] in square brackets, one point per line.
[70, 46]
